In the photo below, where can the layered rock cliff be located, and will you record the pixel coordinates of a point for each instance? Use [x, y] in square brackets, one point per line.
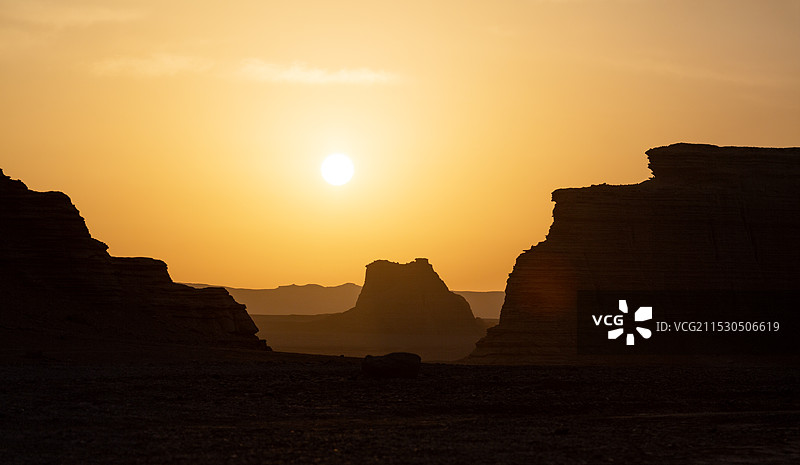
[56, 279]
[710, 218]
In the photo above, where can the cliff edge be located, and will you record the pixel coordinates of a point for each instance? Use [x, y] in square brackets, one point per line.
[710, 218]
[56, 281]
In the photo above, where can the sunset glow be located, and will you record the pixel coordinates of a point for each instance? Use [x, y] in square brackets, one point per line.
[193, 132]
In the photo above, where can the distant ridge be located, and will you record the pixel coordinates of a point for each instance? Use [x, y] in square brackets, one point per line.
[314, 299]
[309, 299]
[484, 304]
[402, 307]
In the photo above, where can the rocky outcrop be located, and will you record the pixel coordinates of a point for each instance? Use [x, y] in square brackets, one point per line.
[401, 308]
[313, 299]
[410, 298]
[308, 299]
[394, 365]
[710, 218]
[55, 278]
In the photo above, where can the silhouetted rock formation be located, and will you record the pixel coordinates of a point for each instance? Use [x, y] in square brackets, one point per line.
[407, 298]
[56, 279]
[401, 308]
[484, 304]
[308, 299]
[313, 299]
[711, 218]
[394, 365]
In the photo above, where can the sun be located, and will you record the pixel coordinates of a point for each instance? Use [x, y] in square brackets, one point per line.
[337, 169]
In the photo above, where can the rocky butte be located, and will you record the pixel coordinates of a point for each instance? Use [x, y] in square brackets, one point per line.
[57, 283]
[401, 308]
[710, 218]
[407, 298]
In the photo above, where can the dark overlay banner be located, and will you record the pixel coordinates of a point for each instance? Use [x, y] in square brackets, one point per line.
[715, 322]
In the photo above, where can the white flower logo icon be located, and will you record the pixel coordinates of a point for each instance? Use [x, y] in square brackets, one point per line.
[642, 314]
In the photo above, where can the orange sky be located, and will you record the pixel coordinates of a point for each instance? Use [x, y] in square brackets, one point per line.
[192, 131]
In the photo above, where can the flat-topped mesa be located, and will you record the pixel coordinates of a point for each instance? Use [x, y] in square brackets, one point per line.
[711, 218]
[389, 280]
[709, 165]
[56, 279]
[408, 298]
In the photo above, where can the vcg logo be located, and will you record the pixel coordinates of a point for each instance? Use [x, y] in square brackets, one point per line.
[642, 314]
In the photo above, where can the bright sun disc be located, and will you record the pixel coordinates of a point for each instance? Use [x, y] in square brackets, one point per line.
[337, 169]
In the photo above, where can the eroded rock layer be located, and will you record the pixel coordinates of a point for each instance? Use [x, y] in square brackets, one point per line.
[56, 279]
[721, 218]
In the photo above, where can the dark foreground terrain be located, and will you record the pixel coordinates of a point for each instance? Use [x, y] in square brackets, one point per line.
[283, 408]
[310, 334]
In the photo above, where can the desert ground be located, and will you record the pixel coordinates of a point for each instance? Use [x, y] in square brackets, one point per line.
[242, 407]
[308, 334]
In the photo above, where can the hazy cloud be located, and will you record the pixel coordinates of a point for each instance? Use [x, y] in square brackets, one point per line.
[62, 14]
[700, 73]
[259, 70]
[163, 64]
[156, 65]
